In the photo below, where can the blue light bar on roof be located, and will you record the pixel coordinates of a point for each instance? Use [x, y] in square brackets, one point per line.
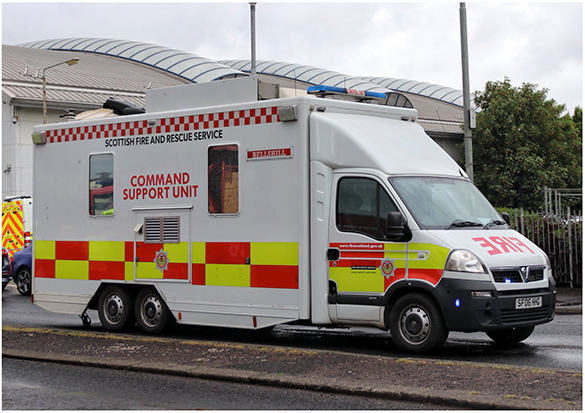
[322, 89]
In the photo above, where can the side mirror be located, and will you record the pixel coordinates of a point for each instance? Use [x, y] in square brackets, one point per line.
[506, 217]
[397, 228]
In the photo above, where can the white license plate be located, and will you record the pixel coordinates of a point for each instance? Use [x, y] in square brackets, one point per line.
[532, 302]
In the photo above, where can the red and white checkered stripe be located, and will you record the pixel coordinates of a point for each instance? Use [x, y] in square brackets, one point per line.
[166, 125]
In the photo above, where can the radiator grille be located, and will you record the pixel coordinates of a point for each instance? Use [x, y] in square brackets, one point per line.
[518, 274]
[523, 292]
[518, 316]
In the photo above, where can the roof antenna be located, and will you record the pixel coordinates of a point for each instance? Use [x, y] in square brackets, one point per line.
[253, 32]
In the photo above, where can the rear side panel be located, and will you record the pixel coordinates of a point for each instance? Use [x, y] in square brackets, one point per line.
[208, 205]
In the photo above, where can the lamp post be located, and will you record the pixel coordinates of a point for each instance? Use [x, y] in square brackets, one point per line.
[468, 144]
[253, 35]
[70, 62]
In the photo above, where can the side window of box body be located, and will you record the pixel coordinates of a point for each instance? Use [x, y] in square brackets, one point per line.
[223, 179]
[101, 184]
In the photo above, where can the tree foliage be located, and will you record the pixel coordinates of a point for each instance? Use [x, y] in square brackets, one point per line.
[578, 120]
[523, 143]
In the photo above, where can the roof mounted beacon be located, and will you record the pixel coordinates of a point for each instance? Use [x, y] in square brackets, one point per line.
[391, 98]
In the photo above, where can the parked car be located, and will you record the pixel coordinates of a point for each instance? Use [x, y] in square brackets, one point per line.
[6, 260]
[22, 270]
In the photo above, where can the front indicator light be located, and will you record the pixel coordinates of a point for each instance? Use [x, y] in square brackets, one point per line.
[481, 293]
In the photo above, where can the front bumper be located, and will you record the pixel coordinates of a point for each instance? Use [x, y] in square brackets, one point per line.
[466, 313]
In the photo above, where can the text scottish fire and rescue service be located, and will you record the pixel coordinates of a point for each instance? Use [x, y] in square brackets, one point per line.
[168, 138]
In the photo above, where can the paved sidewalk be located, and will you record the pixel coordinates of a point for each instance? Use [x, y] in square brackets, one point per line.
[450, 384]
[569, 301]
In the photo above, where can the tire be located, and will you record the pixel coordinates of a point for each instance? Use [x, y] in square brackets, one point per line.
[23, 281]
[152, 314]
[510, 335]
[416, 324]
[115, 308]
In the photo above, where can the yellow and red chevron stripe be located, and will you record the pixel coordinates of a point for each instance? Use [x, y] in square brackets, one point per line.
[166, 125]
[240, 264]
[12, 226]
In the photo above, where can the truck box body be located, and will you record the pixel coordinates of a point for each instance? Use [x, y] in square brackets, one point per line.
[254, 214]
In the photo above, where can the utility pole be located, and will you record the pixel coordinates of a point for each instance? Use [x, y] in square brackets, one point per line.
[253, 40]
[466, 98]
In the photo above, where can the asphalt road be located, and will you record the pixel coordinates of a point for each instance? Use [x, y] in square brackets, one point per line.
[556, 345]
[32, 336]
[29, 385]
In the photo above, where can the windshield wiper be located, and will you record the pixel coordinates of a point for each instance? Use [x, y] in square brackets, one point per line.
[493, 223]
[460, 224]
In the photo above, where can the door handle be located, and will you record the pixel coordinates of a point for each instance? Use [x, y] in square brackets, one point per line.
[333, 254]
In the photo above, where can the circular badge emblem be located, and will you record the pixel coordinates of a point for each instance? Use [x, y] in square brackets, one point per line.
[161, 260]
[387, 268]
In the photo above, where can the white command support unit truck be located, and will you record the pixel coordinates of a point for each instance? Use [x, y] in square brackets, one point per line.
[256, 213]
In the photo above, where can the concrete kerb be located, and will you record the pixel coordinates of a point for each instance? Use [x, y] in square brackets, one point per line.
[569, 310]
[447, 398]
[569, 301]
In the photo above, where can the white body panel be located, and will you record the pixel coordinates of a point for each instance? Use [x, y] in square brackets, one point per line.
[272, 209]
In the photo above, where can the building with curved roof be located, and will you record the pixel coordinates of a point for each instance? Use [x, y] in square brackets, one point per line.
[126, 69]
[186, 65]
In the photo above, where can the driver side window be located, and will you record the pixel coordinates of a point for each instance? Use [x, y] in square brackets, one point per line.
[363, 206]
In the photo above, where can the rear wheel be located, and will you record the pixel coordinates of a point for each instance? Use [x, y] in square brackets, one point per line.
[23, 281]
[152, 314]
[510, 335]
[416, 324]
[115, 308]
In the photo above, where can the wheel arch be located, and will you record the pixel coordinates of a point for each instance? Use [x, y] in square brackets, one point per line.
[402, 288]
[129, 288]
[21, 266]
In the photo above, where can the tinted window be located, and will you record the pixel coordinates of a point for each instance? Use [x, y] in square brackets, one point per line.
[363, 206]
[223, 179]
[101, 184]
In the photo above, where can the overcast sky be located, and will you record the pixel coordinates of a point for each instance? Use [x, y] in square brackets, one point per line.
[537, 43]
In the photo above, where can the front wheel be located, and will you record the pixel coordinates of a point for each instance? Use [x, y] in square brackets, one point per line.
[510, 335]
[23, 281]
[152, 314]
[416, 324]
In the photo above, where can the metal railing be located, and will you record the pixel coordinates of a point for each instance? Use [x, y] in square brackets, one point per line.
[560, 236]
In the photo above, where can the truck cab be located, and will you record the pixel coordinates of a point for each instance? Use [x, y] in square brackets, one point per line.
[412, 245]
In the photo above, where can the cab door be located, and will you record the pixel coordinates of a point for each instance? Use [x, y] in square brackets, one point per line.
[362, 262]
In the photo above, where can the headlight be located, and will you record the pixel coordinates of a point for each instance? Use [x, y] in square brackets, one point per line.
[464, 261]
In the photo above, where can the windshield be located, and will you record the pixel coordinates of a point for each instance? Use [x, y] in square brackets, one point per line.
[444, 203]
